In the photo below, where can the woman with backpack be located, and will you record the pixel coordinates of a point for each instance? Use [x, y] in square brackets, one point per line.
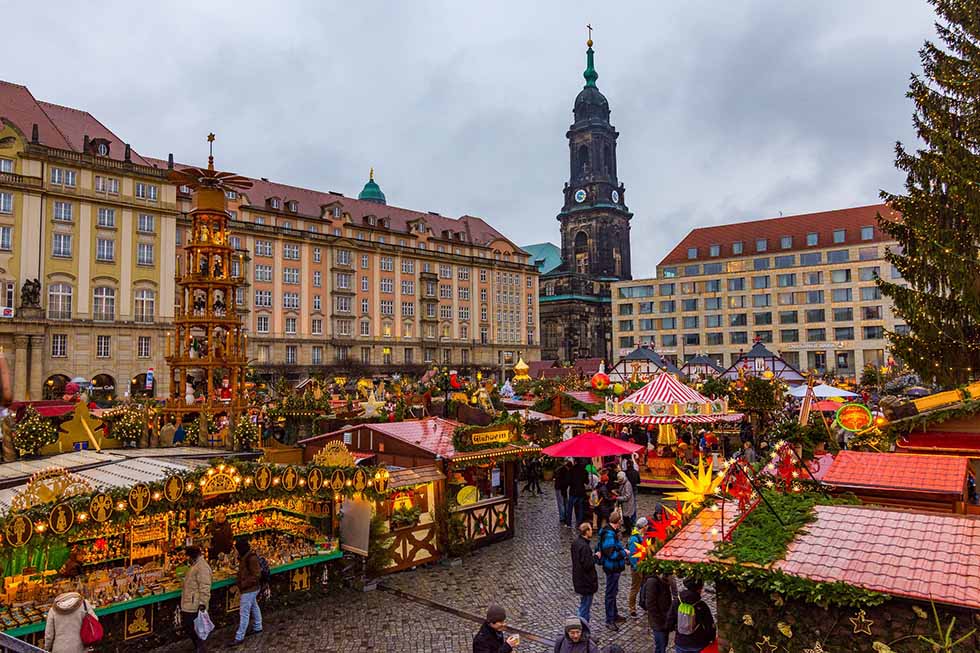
[695, 623]
[248, 579]
[65, 621]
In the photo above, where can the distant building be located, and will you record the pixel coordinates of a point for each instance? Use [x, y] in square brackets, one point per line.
[595, 236]
[803, 285]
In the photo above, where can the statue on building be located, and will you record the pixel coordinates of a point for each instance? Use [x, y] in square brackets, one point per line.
[30, 294]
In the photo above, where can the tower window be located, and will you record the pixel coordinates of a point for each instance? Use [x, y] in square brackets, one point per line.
[581, 252]
[583, 159]
[607, 159]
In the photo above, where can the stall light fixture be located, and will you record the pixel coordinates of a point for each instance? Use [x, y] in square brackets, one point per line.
[121, 505]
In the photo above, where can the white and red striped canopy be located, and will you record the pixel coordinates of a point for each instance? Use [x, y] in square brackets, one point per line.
[667, 389]
[668, 419]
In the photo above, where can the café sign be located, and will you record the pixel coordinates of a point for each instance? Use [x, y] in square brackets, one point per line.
[492, 435]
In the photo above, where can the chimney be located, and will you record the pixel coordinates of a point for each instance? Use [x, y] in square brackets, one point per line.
[129, 153]
[85, 147]
[34, 135]
[170, 161]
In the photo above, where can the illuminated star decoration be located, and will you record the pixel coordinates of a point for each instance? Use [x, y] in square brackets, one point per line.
[817, 648]
[861, 623]
[765, 646]
[737, 484]
[698, 486]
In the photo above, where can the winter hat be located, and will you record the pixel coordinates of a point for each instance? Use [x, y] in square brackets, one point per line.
[495, 614]
[621, 477]
[573, 623]
[641, 523]
[693, 584]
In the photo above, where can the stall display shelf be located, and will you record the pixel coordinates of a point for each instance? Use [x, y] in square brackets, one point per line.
[166, 596]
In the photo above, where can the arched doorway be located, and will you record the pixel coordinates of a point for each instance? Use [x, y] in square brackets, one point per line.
[54, 387]
[103, 388]
[138, 389]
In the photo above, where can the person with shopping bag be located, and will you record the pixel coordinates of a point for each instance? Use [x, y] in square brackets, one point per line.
[195, 596]
[66, 630]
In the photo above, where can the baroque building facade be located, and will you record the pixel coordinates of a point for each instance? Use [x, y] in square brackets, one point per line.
[89, 231]
[595, 235]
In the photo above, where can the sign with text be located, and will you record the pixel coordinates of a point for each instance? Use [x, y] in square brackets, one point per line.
[492, 435]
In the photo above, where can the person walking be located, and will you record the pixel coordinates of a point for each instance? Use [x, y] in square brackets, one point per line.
[195, 595]
[659, 604]
[633, 474]
[562, 479]
[626, 500]
[605, 499]
[636, 578]
[533, 479]
[695, 623]
[248, 580]
[63, 627]
[490, 637]
[576, 638]
[612, 556]
[578, 481]
[585, 580]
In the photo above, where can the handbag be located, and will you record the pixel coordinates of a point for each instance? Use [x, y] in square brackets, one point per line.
[203, 624]
[91, 628]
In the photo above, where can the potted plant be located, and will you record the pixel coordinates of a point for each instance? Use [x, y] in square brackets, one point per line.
[406, 516]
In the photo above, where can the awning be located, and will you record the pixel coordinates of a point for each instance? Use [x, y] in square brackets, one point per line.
[669, 419]
[45, 408]
[591, 445]
[941, 442]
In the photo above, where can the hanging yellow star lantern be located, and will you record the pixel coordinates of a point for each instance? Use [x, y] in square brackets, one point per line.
[861, 623]
[698, 486]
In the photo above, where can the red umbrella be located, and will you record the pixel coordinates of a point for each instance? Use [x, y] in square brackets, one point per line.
[591, 445]
[827, 406]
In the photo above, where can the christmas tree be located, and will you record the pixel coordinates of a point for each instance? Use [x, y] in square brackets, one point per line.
[246, 433]
[33, 432]
[938, 231]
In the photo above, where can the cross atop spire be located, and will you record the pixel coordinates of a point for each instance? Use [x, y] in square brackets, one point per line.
[589, 42]
[590, 74]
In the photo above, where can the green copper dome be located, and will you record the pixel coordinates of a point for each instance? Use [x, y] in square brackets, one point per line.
[372, 192]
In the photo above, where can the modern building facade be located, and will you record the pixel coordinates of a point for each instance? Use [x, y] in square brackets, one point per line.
[87, 227]
[89, 230]
[341, 283]
[595, 235]
[804, 285]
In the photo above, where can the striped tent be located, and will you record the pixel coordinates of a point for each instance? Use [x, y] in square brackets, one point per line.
[665, 388]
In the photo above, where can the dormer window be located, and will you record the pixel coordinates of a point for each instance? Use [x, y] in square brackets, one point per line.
[336, 212]
[184, 189]
[232, 195]
[371, 220]
[420, 227]
[274, 202]
[293, 206]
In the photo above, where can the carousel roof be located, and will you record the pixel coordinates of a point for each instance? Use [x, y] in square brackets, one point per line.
[779, 367]
[648, 354]
[666, 388]
[924, 556]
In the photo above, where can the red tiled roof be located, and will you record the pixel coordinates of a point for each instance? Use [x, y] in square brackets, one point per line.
[797, 226]
[941, 441]
[556, 372]
[897, 471]
[58, 126]
[922, 556]
[587, 396]
[932, 557]
[433, 434]
[310, 204]
[536, 367]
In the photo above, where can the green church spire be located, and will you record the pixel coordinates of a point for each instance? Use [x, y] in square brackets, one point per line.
[590, 74]
[372, 192]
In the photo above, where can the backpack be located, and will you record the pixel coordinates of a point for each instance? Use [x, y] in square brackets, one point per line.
[265, 576]
[91, 632]
[687, 621]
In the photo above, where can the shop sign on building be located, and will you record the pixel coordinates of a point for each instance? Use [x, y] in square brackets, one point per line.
[491, 435]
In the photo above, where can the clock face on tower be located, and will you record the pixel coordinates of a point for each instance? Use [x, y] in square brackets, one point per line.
[615, 197]
[580, 195]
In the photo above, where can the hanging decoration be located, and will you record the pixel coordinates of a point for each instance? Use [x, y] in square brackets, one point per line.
[48, 486]
[139, 498]
[360, 480]
[338, 480]
[223, 479]
[100, 507]
[314, 479]
[698, 486]
[290, 478]
[765, 646]
[19, 531]
[861, 623]
[173, 489]
[62, 518]
[334, 454]
[817, 648]
[263, 478]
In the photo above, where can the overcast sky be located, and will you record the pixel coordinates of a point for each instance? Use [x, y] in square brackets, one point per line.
[727, 111]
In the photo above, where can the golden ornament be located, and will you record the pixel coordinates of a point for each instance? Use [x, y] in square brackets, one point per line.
[861, 623]
[100, 507]
[314, 480]
[817, 648]
[747, 620]
[881, 647]
[139, 497]
[785, 629]
[61, 518]
[919, 612]
[19, 531]
[263, 478]
[765, 646]
[290, 478]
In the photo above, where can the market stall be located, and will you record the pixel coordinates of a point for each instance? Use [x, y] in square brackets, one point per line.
[116, 533]
[664, 403]
[479, 465]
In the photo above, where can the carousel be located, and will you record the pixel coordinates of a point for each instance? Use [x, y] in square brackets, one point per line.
[666, 403]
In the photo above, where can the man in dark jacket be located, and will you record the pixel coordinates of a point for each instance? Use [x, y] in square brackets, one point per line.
[561, 491]
[490, 637]
[696, 639]
[578, 482]
[613, 557]
[661, 611]
[585, 580]
[576, 638]
[248, 581]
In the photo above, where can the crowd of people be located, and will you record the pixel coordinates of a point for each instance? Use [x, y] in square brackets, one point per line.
[601, 505]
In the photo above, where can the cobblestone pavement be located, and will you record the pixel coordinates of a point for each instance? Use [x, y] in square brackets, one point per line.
[438, 608]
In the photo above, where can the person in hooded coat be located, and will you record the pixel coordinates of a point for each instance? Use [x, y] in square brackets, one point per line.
[63, 630]
[576, 638]
[704, 632]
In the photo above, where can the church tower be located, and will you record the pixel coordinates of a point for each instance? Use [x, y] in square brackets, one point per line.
[595, 223]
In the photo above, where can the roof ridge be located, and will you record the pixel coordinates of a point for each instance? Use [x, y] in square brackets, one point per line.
[47, 115]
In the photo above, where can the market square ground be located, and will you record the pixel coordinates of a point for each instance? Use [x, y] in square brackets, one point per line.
[439, 608]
